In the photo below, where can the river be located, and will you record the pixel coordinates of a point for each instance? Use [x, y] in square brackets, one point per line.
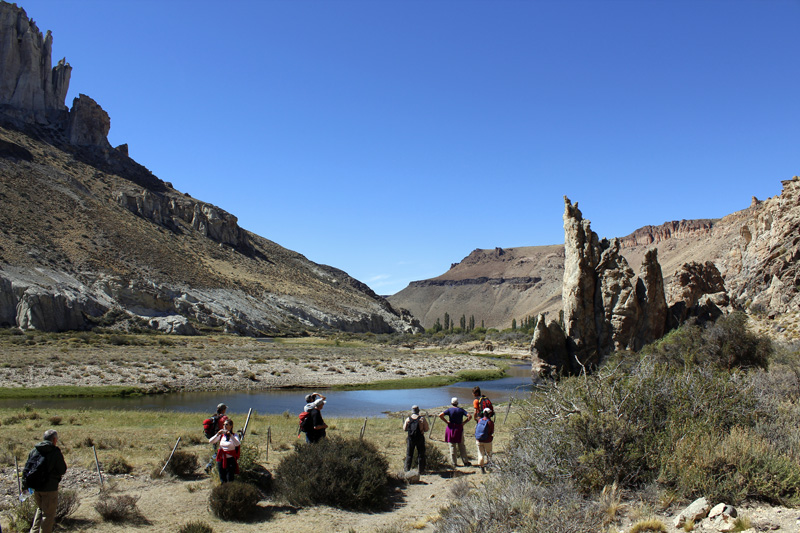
[354, 403]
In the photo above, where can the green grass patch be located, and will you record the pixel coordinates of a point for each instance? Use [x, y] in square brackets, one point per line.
[69, 391]
[428, 381]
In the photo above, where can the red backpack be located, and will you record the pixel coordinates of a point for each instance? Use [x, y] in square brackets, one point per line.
[484, 403]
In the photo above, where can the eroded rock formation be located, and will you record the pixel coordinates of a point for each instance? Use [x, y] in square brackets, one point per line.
[29, 88]
[607, 307]
[33, 92]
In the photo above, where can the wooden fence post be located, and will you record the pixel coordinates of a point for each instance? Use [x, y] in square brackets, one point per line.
[508, 409]
[363, 428]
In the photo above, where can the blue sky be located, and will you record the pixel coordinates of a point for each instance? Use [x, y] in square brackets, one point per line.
[391, 138]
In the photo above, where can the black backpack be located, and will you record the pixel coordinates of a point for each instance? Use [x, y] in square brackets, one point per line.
[34, 475]
[414, 427]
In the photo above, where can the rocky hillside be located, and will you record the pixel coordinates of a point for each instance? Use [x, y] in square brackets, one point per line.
[756, 251]
[88, 236]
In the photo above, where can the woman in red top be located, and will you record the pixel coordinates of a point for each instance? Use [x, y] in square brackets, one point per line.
[228, 453]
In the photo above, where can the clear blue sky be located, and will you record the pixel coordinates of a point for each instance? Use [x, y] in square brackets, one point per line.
[391, 138]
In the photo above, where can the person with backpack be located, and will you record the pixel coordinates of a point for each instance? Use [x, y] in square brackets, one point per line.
[480, 403]
[416, 426]
[43, 471]
[315, 426]
[211, 426]
[227, 457]
[454, 434]
[484, 435]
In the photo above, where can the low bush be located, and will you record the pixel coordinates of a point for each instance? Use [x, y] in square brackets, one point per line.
[21, 516]
[724, 344]
[183, 464]
[435, 460]
[730, 468]
[118, 508]
[234, 501]
[343, 473]
[196, 527]
[117, 465]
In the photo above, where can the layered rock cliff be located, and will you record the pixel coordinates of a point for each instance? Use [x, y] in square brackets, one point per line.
[89, 237]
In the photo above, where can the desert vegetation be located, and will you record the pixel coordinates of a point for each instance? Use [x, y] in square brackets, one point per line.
[707, 411]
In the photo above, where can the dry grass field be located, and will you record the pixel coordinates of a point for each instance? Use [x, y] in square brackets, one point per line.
[144, 440]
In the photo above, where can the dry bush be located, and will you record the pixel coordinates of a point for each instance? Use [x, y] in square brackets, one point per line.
[651, 524]
[21, 516]
[183, 464]
[196, 527]
[234, 501]
[117, 465]
[118, 508]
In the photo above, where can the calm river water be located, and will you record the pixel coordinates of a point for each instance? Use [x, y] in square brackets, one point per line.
[356, 403]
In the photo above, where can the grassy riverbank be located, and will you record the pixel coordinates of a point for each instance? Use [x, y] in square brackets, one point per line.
[69, 391]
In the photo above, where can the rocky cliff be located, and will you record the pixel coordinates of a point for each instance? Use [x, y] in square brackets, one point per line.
[89, 237]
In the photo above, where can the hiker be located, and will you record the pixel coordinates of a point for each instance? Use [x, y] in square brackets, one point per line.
[211, 427]
[317, 426]
[454, 434]
[45, 494]
[484, 434]
[480, 403]
[228, 453]
[416, 426]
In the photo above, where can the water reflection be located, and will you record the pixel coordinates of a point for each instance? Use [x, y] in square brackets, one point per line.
[357, 403]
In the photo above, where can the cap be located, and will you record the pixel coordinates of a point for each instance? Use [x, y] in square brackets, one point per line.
[221, 407]
[319, 402]
[454, 400]
[310, 397]
[415, 408]
[487, 411]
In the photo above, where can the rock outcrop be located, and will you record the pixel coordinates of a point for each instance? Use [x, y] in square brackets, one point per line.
[29, 88]
[606, 306]
[88, 123]
[762, 272]
[33, 92]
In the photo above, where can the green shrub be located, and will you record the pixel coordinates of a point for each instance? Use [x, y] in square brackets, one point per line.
[183, 464]
[117, 465]
[343, 473]
[234, 501]
[196, 527]
[724, 344]
[250, 471]
[732, 467]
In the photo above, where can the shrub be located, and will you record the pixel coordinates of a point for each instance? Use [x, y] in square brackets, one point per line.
[182, 464]
[55, 420]
[343, 473]
[250, 471]
[68, 503]
[732, 467]
[118, 508]
[118, 465]
[234, 501]
[21, 516]
[725, 344]
[196, 527]
[435, 460]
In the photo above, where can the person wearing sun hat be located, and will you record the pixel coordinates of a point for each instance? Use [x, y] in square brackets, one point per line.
[416, 426]
[454, 434]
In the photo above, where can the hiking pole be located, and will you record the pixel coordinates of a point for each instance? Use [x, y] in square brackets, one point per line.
[97, 464]
[168, 459]
[246, 422]
[508, 409]
[363, 428]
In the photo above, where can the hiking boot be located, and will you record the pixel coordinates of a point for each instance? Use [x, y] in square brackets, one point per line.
[483, 470]
[467, 463]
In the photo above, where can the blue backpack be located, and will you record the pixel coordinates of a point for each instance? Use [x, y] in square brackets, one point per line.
[482, 430]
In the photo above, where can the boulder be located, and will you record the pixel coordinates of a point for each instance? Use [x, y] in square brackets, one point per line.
[696, 511]
[173, 325]
[548, 349]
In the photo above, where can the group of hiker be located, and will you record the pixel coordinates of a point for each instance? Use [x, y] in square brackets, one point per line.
[45, 465]
[456, 419]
